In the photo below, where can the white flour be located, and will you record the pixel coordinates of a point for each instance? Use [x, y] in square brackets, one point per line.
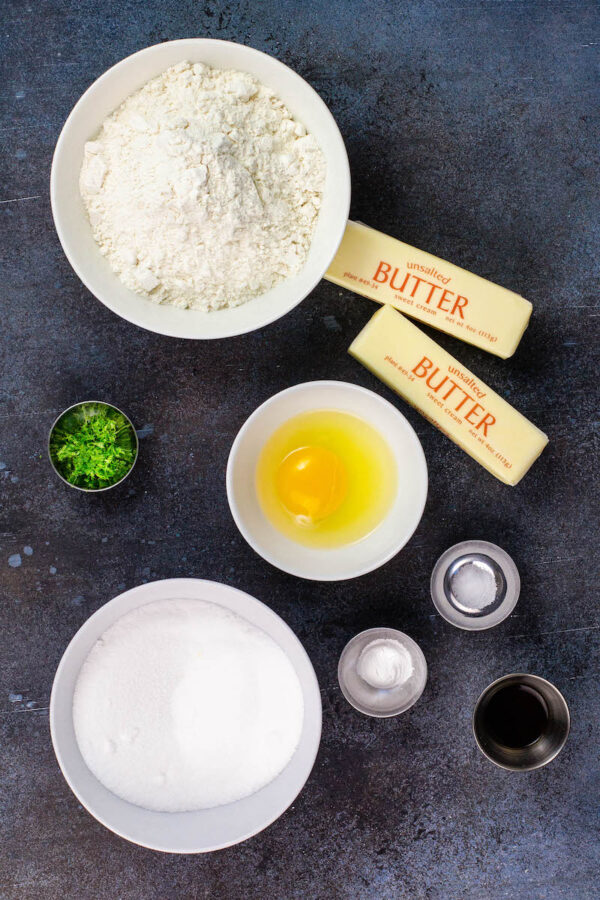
[201, 189]
[184, 705]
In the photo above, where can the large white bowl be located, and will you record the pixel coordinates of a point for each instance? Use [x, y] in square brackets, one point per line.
[74, 230]
[205, 829]
[342, 562]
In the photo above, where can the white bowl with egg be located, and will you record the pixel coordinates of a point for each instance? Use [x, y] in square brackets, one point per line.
[354, 559]
[74, 229]
[199, 830]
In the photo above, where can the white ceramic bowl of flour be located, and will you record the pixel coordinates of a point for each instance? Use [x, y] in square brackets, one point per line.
[200, 830]
[350, 560]
[74, 229]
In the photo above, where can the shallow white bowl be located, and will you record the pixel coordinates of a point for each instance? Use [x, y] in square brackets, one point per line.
[205, 829]
[342, 562]
[71, 221]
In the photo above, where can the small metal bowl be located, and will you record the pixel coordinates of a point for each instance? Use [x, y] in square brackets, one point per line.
[381, 703]
[108, 487]
[541, 751]
[490, 561]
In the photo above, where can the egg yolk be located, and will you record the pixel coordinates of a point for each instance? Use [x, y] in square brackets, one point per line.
[311, 483]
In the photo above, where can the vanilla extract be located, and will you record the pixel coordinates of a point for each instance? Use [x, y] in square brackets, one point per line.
[515, 716]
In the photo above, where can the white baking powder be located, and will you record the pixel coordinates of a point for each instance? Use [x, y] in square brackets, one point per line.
[384, 663]
[183, 705]
[201, 188]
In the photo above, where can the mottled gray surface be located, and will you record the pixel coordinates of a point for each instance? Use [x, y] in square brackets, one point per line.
[472, 130]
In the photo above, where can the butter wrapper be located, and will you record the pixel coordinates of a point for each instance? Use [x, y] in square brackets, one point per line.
[454, 399]
[428, 289]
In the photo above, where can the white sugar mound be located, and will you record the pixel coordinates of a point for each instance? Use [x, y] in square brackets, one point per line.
[183, 705]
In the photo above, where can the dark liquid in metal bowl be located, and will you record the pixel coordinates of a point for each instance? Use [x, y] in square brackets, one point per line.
[515, 716]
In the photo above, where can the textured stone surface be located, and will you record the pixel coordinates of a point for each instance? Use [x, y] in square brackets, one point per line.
[472, 131]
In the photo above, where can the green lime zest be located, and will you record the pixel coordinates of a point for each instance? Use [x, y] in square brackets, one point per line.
[93, 446]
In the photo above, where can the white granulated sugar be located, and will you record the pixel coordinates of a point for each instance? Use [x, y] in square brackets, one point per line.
[201, 188]
[184, 705]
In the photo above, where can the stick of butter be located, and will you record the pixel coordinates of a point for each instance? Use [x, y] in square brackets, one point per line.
[431, 290]
[450, 396]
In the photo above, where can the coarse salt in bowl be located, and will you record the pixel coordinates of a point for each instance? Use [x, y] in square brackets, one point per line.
[74, 230]
[201, 830]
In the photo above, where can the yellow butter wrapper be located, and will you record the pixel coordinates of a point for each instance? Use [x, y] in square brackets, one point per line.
[430, 290]
[449, 395]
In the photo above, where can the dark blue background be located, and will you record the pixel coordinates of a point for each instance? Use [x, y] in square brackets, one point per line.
[472, 131]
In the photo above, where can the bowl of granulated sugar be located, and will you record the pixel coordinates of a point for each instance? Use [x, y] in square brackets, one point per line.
[200, 188]
[185, 716]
